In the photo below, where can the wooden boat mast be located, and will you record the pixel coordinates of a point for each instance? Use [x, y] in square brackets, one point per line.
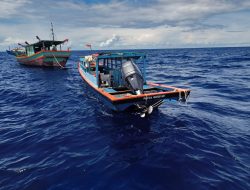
[52, 31]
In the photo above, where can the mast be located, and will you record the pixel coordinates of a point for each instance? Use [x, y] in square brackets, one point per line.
[52, 31]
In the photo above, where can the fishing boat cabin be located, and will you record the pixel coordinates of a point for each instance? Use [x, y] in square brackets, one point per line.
[44, 45]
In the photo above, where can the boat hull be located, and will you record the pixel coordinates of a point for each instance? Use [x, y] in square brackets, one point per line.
[45, 58]
[120, 106]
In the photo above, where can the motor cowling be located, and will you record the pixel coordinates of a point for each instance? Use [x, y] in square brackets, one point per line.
[132, 77]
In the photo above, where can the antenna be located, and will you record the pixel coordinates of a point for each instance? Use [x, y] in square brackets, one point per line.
[52, 31]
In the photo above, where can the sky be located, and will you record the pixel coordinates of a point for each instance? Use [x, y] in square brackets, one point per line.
[127, 24]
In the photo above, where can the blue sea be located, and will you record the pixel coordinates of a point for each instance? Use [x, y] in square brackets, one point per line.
[55, 134]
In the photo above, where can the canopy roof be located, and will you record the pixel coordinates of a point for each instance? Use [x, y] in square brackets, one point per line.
[120, 55]
[46, 43]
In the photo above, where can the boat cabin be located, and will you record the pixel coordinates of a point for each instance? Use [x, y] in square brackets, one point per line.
[104, 69]
[46, 45]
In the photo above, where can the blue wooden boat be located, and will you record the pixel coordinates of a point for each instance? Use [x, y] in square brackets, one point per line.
[119, 80]
[16, 51]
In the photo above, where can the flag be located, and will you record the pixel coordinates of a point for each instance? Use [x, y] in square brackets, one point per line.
[88, 45]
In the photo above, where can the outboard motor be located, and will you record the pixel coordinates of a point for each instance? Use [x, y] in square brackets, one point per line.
[132, 77]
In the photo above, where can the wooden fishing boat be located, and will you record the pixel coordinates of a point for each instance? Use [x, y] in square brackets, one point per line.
[119, 80]
[44, 53]
[47, 53]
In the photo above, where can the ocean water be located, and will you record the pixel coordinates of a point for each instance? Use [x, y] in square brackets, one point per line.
[54, 134]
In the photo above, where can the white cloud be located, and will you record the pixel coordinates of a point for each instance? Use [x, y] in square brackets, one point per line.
[129, 38]
[127, 14]
[10, 41]
[11, 7]
[110, 42]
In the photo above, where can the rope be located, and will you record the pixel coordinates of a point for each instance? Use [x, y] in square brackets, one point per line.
[58, 62]
[146, 97]
[158, 103]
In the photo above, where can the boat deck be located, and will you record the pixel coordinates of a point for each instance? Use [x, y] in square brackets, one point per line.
[123, 92]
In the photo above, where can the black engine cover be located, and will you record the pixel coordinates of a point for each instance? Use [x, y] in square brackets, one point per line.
[132, 77]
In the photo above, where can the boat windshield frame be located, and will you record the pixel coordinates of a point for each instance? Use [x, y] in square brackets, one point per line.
[113, 59]
[108, 63]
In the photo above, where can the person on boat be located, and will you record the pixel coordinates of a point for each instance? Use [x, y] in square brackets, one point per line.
[92, 64]
[54, 48]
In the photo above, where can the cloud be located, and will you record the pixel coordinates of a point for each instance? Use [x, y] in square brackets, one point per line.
[136, 24]
[111, 42]
[9, 41]
[124, 13]
[132, 14]
[9, 8]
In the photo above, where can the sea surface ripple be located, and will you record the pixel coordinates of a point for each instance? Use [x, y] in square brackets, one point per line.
[54, 134]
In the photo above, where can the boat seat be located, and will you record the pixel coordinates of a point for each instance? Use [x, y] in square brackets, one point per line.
[105, 80]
